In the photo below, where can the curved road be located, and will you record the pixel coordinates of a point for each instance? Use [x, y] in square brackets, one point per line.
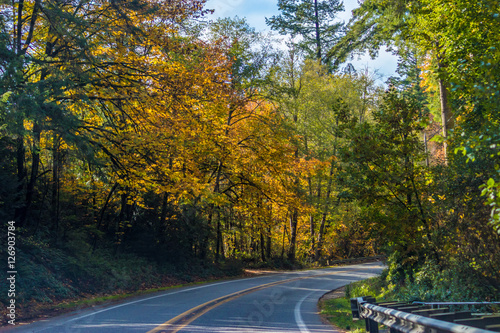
[284, 302]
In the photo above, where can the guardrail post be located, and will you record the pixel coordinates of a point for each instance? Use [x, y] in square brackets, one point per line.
[355, 309]
[371, 326]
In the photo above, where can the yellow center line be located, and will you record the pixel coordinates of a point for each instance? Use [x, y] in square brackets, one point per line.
[177, 323]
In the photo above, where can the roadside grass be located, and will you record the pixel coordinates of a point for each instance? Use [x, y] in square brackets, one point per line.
[93, 300]
[337, 311]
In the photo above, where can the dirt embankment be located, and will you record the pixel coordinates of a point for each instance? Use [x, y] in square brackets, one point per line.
[336, 293]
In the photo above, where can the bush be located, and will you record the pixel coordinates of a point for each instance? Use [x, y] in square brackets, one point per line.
[232, 267]
[456, 283]
[376, 287]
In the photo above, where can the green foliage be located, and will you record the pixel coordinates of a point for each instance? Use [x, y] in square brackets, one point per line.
[457, 44]
[492, 191]
[386, 175]
[483, 149]
[376, 287]
[374, 24]
[456, 283]
[251, 52]
[431, 219]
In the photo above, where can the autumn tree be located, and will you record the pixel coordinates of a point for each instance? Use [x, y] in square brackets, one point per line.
[68, 76]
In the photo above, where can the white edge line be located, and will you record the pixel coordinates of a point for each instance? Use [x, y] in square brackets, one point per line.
[143, 300]
[298, 317]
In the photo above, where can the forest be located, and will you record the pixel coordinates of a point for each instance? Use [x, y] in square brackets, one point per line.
[142, 142]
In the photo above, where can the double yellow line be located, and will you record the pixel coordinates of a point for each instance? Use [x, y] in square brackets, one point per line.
[177, 323]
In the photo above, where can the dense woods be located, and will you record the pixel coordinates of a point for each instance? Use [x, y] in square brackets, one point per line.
[141, 141]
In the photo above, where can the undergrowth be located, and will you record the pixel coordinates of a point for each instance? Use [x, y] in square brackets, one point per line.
[54, 279]
[338, 310]
[427, 283]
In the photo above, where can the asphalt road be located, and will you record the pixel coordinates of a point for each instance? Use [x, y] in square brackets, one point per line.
[284, 302]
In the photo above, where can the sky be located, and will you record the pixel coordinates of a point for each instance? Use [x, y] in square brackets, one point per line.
[255, 12]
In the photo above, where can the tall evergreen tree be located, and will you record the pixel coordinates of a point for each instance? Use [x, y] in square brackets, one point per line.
[313, 20]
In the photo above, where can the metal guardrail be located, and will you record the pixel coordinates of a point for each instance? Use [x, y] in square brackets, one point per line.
[439, 304]
[413, 318]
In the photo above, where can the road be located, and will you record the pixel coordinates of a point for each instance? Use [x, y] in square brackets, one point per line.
[284, 302]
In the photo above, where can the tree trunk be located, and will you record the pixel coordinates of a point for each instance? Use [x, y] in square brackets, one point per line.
[262, 247]
[318, 33]
[321, 233]
[311, 216]
[312, 231]
[321, 230]
[216, 190]
[218, 243]
[120, 222]
[268, 243]
[446, 115]
[24, 198]
[21, 180]
[54, 198]
[283, 241]
[293, 235]
[427, 163]
[221, 236]
[101, 215]
[163, 213]
[35, 165]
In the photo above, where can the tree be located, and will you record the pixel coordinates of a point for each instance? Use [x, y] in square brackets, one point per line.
[402, 25]
[313, 21]
[374, 24]
[384, 171]
[318, 109]
[251, 53]
[68, 70]
[464, 37]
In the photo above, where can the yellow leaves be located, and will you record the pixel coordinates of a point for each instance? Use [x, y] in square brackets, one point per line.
[429, 82]
[429, 178]
[28, 124]
[160, 115]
